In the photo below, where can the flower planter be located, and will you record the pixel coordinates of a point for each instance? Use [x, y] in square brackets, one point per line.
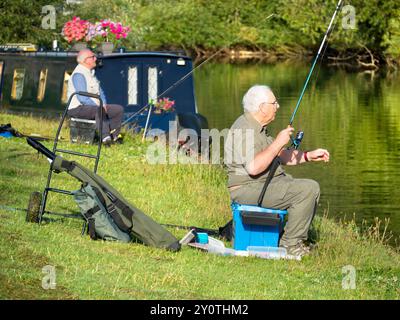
[78, 46]
[78, 29]
[106, 47]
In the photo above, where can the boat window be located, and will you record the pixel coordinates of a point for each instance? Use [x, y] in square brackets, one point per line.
[132, 85]
[42, 85]
[18, 84]
[152, 83]
[64, 95]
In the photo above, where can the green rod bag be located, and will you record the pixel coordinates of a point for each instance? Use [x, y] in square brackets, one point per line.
[126, 216]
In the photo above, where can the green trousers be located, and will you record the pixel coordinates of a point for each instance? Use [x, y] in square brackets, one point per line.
[298, 196]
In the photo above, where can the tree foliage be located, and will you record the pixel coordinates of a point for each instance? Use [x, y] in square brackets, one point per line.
[21, 21]
[374, 22]
[212, 25]
[220, 23]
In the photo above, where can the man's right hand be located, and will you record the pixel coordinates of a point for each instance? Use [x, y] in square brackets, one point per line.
[283, 137]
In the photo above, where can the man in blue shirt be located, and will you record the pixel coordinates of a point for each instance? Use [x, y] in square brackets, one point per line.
[83, 79]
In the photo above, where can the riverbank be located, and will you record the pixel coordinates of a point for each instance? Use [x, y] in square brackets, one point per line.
[360, 60]
[172, 194]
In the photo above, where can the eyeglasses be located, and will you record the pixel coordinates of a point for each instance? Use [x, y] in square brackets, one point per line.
[275, 103]
[90, 57]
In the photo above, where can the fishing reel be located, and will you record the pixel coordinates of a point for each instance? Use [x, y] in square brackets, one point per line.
[296, 142]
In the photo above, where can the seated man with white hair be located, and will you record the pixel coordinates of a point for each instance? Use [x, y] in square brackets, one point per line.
[249, 152]
[84, 79]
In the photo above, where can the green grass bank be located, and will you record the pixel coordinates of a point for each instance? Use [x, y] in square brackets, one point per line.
[176, 194]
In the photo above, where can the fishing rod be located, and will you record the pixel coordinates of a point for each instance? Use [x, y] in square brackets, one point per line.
[178, 82]
[299, 136]
[150, 104]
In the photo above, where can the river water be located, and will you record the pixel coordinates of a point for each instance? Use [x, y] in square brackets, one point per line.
[356, 116]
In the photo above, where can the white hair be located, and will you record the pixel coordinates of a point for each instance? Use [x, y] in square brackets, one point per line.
[255, 96]
[81, 55]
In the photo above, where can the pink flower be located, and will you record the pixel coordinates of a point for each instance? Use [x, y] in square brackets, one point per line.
[105, 23]
[78, 29]
[75, 29]
[165, 104]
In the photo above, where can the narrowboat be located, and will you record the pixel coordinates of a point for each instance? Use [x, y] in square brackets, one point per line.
[36, 82]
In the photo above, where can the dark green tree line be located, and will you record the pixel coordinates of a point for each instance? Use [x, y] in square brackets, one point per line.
[204, 26]
[296, 24]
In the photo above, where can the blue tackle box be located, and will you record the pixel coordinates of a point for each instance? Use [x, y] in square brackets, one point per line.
[256, 226]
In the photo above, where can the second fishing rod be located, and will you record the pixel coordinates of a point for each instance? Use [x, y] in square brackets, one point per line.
[148, 106]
